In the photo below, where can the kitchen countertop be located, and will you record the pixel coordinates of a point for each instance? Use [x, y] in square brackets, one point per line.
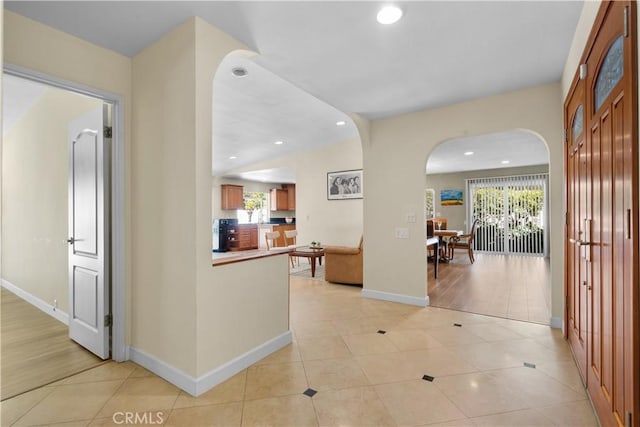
[222, 258]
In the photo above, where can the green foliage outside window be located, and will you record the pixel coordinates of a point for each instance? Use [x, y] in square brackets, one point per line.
[254, 201]
[524, 209]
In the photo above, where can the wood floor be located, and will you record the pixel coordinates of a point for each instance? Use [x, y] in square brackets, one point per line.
[36, 349]
[508, 286]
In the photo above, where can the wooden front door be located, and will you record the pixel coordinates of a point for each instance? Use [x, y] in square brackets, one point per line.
[602, 217]
[577, 157]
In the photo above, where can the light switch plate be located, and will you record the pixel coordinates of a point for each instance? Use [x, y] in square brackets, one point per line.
[402, 233]
[411, 217]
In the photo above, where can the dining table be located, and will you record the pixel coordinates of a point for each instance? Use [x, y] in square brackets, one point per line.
[441, 234]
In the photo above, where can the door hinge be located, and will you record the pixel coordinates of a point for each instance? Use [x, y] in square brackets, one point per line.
[108, 320]
[107, 131]
[583, 71]
[626, 21]
[566, 135]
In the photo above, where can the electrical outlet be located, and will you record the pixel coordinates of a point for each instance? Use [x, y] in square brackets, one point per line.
[411, 217]
[402, 233]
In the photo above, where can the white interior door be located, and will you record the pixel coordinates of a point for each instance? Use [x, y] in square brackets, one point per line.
[89, 302]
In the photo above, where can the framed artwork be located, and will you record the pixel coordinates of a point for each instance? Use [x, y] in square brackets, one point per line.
[343, 185]
[450, 197]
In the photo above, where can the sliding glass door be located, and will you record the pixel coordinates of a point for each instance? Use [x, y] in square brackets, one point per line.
[511, 213]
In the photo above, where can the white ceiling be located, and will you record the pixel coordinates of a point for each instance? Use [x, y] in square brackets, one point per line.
[518, 148]
[439, 53]
[251, 113]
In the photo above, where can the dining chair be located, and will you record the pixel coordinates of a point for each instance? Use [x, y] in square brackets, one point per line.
[464, 241]
[271, 237]
[290, 240]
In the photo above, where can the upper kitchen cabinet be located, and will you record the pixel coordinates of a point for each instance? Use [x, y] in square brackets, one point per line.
[232, 197]
[279, 200]
[291, 193]
[284, 199]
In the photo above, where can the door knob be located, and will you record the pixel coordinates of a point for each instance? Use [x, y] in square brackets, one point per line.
[71, 240]
[580, 242]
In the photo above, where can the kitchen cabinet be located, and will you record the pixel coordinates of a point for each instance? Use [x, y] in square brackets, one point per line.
[284, 199]
[243, 237]
[232, 197]
[279, 199]
[291, 196]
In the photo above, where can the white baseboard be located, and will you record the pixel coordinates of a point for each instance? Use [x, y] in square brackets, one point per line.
[197, 386]
[403, 299]
[162, 369]
[229, 369]
[556, 322]
[36, 302]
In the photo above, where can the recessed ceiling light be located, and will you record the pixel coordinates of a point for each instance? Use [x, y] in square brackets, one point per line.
[341, 123]
[505, 162]
[239, 71]
[279, 142]
[389, 15]
[468, 153]
[232, 157]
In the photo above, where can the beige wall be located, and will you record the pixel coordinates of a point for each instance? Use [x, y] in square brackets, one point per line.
[583, 28]
[37, 47]
[394, 163]
[221, 289]
[456, 215]
[34, 196]
[332, 222]
[240, 307]
[163, 199]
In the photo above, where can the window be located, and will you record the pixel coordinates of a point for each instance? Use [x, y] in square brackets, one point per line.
[610, 72]
[578, 123]
[429, 208]
[511, 213]
[256, 208]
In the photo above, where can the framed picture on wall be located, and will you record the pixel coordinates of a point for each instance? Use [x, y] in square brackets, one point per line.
[450, 197]
[343, 185]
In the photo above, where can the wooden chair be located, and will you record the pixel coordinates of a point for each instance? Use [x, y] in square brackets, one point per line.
[271, 237]
[464, 241]
[290, 240]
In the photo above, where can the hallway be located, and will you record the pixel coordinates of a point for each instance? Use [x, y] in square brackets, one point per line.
[362, 376]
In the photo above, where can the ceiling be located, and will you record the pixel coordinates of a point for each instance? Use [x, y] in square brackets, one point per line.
[439, 53]
[494, 151]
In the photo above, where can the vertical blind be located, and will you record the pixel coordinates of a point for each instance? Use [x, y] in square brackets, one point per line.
[511, 213]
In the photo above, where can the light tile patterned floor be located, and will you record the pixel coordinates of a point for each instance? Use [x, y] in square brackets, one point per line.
[362, 377]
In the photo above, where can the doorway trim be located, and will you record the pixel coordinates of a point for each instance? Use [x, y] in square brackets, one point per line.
[119, 349]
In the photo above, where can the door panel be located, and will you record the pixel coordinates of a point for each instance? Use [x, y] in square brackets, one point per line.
[576, 157]
[85, 181]
[88, 227]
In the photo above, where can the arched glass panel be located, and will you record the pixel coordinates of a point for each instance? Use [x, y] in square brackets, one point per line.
[578, 123]
[610, 72]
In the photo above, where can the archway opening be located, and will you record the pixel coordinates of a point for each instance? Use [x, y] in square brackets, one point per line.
[271, 137]
[490, 195]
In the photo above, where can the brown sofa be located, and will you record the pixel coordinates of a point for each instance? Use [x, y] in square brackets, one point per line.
[343, 264]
